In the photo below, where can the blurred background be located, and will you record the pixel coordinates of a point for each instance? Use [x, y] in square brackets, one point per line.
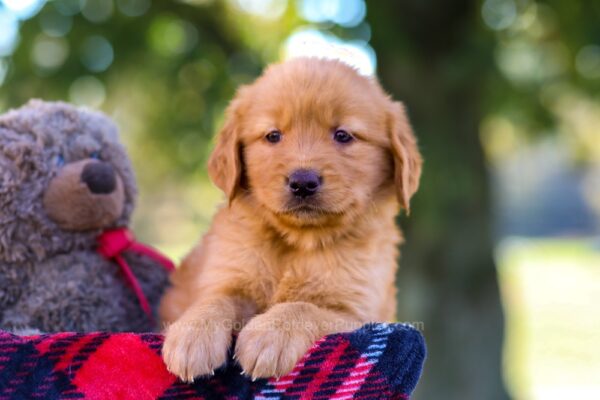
[502, 261]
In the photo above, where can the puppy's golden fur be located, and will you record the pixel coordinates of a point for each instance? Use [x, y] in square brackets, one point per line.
[281, 275]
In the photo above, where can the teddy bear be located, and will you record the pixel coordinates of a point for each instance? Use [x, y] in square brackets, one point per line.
[67, 260]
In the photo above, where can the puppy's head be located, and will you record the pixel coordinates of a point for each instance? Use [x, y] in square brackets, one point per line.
[315, 144]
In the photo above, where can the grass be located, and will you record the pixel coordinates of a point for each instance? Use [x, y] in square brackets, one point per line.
[551, 295]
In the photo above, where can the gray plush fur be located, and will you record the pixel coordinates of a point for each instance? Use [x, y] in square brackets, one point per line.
[51, 279]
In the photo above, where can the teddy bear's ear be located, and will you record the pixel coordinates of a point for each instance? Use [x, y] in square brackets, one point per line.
[225, 162]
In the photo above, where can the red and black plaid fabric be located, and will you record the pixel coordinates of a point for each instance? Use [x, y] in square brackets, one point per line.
[377, 361]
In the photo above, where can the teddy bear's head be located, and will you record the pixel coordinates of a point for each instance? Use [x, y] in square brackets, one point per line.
[64, 177]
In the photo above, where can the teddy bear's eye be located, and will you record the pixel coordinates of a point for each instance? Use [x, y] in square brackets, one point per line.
[95, 155]
[59, 160]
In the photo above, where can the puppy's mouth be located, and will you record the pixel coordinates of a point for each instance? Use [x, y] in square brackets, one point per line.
[307, 208]
[304, 209]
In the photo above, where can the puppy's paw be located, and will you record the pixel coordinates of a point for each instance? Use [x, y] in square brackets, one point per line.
[196, 348]
[268, 347]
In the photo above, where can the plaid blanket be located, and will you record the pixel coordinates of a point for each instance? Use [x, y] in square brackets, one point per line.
[374, 362]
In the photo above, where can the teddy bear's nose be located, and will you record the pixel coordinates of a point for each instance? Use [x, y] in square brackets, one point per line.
[99, 177]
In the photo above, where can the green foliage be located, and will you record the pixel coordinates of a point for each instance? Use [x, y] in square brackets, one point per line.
[165, 75]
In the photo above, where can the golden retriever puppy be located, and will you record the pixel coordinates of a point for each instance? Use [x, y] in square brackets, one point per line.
[316, 161]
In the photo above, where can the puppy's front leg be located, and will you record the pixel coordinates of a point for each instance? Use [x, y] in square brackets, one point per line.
[198, 342]
[272, 343]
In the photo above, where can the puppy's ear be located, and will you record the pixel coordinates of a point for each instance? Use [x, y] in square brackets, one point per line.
[225, 162]
[407, 159]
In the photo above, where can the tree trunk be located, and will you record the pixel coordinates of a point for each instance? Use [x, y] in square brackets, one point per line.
[436, 57]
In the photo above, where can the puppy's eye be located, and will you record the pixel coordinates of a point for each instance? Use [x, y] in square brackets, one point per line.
[59, 160]
[273, 136]
[341, 136]
[95, 155]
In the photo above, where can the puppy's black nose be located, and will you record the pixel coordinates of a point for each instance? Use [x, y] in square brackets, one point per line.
[99, 177]
[304, 182]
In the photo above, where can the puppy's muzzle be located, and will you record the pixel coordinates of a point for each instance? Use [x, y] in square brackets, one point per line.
[304, 183]
[85, 195]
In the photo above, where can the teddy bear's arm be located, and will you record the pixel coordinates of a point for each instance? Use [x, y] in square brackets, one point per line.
[152, 276]
[14, 279]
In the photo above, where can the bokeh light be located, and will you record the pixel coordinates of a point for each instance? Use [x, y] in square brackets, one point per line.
[49, 53]
[268, 9]
[133, 8]
[527, 62]
[97, 11]
[346, 13]
[9, 32]
[312, 42]
[54, 23]
[499, 14]
[170, 36]
[23, 9]
[588, 62]
[97, 53]
[87, 91]
[68, 7]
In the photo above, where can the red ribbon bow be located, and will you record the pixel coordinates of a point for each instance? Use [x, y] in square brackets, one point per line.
[112, 243]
